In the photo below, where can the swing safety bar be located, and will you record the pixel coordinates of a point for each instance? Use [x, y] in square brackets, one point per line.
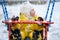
[27, 22]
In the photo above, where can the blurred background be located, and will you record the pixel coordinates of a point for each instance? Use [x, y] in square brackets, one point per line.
[10, 2]
[40, 6]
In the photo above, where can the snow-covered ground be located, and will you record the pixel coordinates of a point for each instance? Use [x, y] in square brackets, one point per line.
[54, 31]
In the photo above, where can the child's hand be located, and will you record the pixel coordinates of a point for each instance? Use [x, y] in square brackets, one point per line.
[39, 23]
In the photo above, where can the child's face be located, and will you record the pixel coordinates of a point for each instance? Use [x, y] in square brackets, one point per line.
[32, 13]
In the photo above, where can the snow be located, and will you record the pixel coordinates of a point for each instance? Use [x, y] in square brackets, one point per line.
[54, 31]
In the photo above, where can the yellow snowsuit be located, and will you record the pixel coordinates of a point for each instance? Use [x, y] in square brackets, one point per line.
[26, 30]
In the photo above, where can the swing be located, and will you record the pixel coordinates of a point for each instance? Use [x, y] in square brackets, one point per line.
[25, 22]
